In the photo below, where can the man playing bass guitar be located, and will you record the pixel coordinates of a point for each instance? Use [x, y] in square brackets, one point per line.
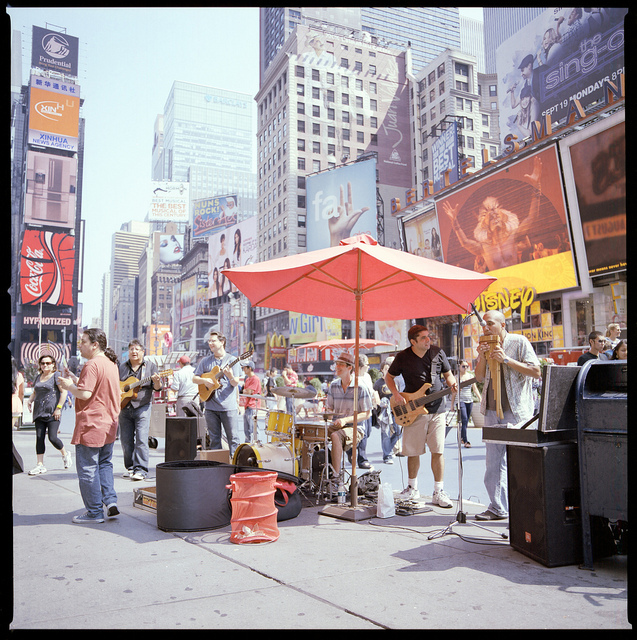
[419, 364]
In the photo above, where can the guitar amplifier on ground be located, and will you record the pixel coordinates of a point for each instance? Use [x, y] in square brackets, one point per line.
[181, 439]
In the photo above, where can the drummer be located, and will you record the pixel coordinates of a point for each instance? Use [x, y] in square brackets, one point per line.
[340, 400]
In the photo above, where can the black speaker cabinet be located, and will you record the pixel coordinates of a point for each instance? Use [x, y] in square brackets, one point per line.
[181, 439]
[544, 503]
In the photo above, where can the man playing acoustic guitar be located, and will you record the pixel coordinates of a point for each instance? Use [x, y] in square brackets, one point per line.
[134, 418]
[221, 406]
[423, 363]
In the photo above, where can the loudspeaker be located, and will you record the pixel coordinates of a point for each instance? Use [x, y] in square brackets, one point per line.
[181, 439]
[544, 503]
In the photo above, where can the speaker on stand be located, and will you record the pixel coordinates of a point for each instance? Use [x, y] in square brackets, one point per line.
[181, 439]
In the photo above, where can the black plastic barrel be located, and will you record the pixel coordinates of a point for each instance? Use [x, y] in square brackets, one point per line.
[192, 495]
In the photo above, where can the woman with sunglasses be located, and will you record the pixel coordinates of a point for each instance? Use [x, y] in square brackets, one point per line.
[46, 402]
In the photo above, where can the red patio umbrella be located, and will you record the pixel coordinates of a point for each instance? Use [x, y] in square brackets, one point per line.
[359, 280]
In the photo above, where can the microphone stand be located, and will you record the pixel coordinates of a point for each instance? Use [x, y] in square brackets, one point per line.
[461, 516]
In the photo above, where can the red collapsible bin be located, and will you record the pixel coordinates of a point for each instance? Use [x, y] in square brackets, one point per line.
[254, 514]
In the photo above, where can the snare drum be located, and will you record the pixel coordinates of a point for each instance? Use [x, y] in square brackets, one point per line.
[275, 456]
[279, 426]
[311, 432]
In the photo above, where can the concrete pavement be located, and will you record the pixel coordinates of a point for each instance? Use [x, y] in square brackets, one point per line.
[403, 572]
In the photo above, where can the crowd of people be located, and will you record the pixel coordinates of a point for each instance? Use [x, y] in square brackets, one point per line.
[507, 368]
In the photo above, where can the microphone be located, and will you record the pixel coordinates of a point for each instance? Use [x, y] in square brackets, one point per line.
[477, 315]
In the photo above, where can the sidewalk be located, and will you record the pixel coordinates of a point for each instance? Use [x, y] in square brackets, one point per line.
[321, 573]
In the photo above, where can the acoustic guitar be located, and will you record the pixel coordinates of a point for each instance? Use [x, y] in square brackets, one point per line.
[130, 386]
[215, 375]
[405, 414]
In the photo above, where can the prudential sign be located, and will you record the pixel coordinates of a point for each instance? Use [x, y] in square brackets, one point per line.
[54, 50]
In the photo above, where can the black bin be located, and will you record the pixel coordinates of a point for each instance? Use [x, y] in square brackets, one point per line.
[602, 416]
[192, 495]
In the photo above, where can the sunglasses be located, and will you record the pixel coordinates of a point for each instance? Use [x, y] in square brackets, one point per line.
[47, 363]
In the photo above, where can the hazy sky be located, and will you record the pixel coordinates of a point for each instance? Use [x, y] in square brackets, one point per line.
[129, 59]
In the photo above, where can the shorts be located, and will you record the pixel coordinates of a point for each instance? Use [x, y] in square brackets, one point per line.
[347, 433]
[427, 430]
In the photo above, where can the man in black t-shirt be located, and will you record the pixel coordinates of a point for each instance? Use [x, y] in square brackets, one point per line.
[597, 341]
[423, 363]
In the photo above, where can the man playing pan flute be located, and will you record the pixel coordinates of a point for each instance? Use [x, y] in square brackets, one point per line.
[507, 365]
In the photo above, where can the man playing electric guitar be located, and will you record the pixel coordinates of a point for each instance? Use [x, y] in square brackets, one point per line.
[221, 407]
[134, 418]
[423, 363]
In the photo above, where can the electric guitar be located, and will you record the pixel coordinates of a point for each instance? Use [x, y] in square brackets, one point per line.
[130, 386]
[405, 414]
[215, 375]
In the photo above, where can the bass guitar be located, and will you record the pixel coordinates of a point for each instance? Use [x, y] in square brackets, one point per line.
[215, 375]
[130, 386]
[405, 414]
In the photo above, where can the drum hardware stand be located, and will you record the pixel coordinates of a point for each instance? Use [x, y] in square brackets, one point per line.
[461, 516]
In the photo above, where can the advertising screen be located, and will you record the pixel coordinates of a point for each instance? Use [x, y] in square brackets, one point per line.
[341, 203]
[169, 201]
[47, 261]
[595, 160]
[563, 55]
[512, 225]
[54, 114]
[211, 214]
[444, 154]
[422, 236]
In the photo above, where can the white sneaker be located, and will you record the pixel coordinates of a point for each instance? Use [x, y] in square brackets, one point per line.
[37, 470]
[68, 460]
[138, 475]
[409, 493]
[441, 499]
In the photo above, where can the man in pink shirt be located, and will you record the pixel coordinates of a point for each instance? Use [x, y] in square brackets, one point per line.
[98, 395]
[251, 386]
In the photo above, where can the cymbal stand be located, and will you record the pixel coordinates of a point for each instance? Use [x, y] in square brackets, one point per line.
[461, 516]
[325, 474]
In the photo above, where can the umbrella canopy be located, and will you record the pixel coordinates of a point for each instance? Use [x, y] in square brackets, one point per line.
[359, 280]
[345, 344]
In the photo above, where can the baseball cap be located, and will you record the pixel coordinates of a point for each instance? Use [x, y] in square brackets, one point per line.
[184, 360]
[248, 363]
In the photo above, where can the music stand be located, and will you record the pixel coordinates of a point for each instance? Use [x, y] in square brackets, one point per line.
[461, 516]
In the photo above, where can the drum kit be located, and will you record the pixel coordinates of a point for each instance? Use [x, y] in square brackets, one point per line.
[294, 447]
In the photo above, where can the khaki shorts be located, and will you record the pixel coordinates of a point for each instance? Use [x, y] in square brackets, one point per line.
[427, 430]
[347, 433]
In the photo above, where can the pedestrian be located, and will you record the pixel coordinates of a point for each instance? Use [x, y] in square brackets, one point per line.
[134, 419]
[97, 406]
[518, 367]
[389, 430]
[17, 397]
[251, 386]
[183, 385]
[364, 379]
[596, 342]
[221, 406]
[46, 403]
[418, 364]
[465, 400]
[291, 379]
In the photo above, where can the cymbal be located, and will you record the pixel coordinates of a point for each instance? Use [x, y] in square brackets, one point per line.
[326, 414]
[294, 392]
[252, 395]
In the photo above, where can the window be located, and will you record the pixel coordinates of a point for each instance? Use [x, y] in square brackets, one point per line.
[359, 102]
[331, 131]
[300, 89]
[299, 71]
[316, 147]
[345, 116]
[316, 93]
[372, 69]
[462, 69]
[300, 144]
[300, 107]
[345, 134]
[344, 62]
[493, 89]
[316, 75]
[360, 119]
[316, 111]
[358, 66]
[345, 98]
[300, 201]
[316, 129]
[360, 136]
[300, 125]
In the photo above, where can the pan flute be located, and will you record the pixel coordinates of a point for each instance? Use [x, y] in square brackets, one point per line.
[496, 375]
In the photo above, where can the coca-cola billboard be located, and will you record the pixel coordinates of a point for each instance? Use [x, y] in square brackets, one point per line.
[46, 268]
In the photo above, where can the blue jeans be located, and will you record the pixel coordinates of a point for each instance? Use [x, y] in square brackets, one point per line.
[134, 425]
[465, 414]
[228, 420]
[389, 436]
[248, 423]
[95, 474]
[495, 475]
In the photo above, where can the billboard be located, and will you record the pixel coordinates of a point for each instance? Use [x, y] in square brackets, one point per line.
[54, 50]
[50, 190]
[169, 201]
[561, 56]
[595, 162]
[422, 236]
[54, 114]
[444, 155]
[211, 214]
[47, 261]
[235, 246]
[171, 248]
[512, 224]
[341, 203]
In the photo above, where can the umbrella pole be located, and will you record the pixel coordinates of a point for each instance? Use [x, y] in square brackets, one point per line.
[353, 486]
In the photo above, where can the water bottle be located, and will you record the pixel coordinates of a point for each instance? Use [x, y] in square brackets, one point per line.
[340, 493]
